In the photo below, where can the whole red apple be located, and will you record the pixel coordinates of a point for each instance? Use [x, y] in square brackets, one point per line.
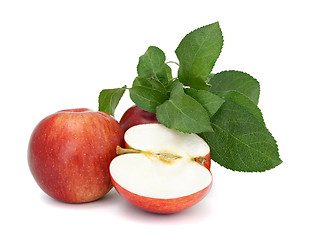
[70, 152]
[135, 116]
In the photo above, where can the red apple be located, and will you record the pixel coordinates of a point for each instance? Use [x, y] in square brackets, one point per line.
[163, 171]
[135, 116]
[70, 152]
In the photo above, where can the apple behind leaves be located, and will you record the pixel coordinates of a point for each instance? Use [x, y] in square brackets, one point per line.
[70, 152]
[163, 170]
[134, 116]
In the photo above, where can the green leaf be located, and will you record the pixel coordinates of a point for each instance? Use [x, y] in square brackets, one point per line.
[236, 81]
[197, 53]
[168, 73]
[240, 141]
[183, 113]
[148, 93]
[211, 75]
[152, 65]
[245, 102]
[208, 100]
[109, 99]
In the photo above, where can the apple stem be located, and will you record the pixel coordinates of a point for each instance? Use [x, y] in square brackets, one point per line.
[200, 160]
[120, 150]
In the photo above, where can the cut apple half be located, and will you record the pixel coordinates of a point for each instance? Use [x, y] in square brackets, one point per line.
[162, 170]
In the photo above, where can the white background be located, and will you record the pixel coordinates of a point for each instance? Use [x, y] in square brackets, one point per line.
[56, 55]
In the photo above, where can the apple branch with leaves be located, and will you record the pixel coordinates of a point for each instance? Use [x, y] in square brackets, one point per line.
[221, 108]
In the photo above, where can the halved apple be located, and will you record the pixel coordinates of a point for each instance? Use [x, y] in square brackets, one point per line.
[162, 170]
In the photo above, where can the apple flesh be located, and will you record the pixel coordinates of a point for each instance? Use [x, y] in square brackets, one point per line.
[135, 116]
[161, 172]
[70, 152]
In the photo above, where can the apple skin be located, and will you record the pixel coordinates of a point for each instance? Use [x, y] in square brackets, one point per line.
[135, 116]
[207, 162]
[162, 206]
[70, 151]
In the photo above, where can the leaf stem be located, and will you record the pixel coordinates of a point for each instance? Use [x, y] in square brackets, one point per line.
[173, 62]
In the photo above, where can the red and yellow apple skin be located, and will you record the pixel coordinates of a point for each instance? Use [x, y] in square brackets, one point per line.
[135, 116]
[159, 205]
[207, 161]
[70, 151]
